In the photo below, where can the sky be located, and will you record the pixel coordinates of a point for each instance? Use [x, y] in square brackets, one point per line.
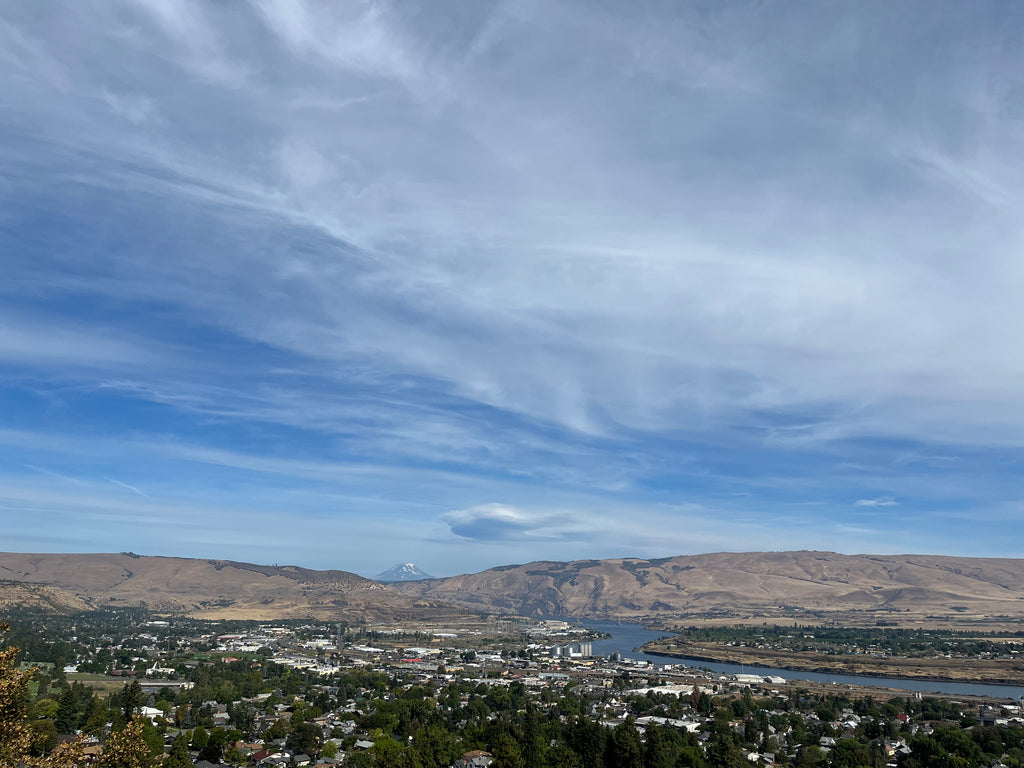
[342, 285]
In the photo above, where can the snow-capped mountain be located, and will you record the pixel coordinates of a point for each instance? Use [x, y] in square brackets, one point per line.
[402, 572]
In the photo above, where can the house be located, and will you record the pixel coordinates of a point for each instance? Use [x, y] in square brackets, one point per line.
[476, 758]
[92, 752]
[151, 713]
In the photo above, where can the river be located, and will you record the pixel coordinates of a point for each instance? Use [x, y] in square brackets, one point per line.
[625, 637]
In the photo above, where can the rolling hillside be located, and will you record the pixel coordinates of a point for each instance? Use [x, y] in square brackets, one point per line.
[804, 586]
[740, 585]
[206, 588]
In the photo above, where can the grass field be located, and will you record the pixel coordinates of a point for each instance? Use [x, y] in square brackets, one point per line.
[103, 683]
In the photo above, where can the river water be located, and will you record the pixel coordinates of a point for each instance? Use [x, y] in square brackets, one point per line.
[625, 637]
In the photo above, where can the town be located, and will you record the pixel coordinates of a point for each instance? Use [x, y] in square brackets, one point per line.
[498, 691]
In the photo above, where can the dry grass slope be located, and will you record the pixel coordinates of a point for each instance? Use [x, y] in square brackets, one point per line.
[741, 585]
[203, 588]
[803, 586]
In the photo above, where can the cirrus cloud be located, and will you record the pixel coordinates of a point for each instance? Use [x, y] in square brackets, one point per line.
[654, 261]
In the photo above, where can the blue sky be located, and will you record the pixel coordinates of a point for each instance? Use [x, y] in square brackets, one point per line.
[466, 284]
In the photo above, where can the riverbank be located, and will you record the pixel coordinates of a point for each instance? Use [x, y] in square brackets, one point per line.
[959, 670]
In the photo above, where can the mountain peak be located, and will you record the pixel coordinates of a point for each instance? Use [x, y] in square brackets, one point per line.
[402, 572]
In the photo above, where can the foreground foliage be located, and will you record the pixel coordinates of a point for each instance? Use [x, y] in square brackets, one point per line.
[20, 742]
[17, 740]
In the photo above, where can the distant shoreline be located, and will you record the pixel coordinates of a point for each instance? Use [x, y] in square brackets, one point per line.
[790, 663]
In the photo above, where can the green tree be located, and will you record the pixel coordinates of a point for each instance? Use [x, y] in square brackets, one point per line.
[96, 720]
[624, 749]
[44, 737]
[45, 709]
[278, 730]
[722, 752]
[849, 753]
[68, 716]
[434, 745]
[307, 738]
[587, 739]
[959, 743]
[386, 752]
[809, 756]
[506, 752]
[569, 705]
[533, 746]
[925, 752]
[131, 698]
[178, 757]
[695, 696]
[211, 753]
[691, 756]
[560, 756]
[154, 740]
[200, 738]
[243, 717]
[660, 748]
[705, 704]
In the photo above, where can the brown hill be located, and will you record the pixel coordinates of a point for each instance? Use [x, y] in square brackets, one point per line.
[805, 586]
[205, 588]
[39, 597]
[747, 585]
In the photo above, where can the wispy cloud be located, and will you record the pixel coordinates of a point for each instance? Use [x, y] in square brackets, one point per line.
[627, 258]
[56, 475]
[131, 488]
[884, 501]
